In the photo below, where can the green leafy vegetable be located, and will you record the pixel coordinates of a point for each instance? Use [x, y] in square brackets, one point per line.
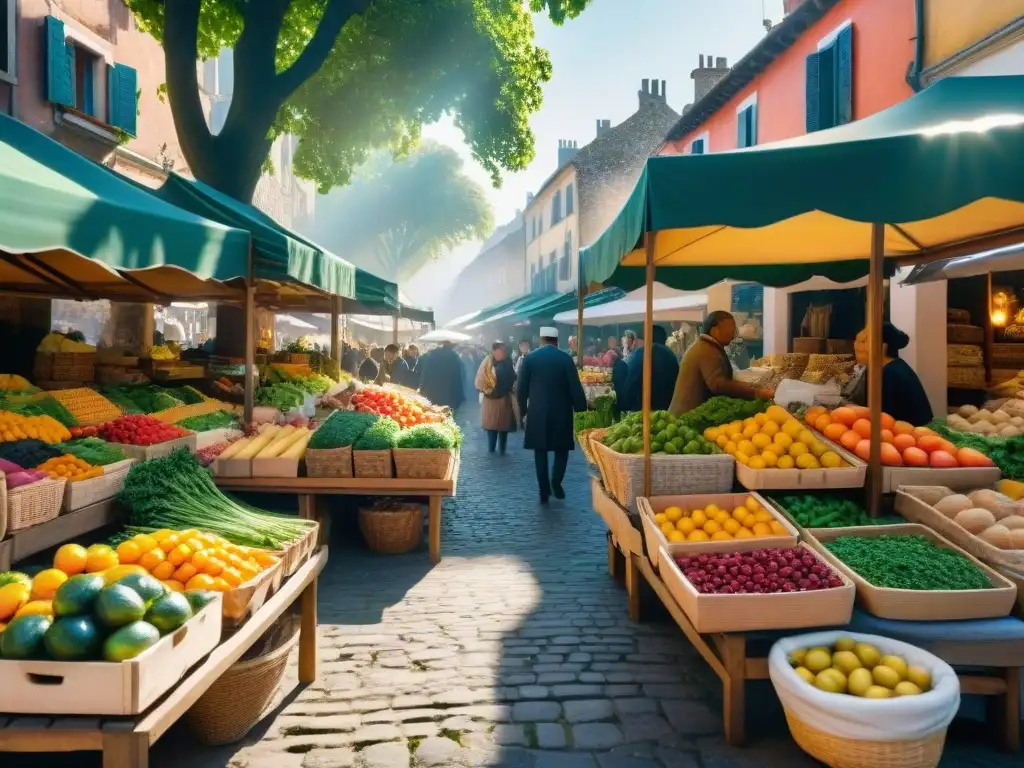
[1006, 452]
[907, 562]
[208, 421]
[721, 410]
[342, 429]
[426, 436]
[40, 405]
[379, 437]
[142, 398]
[828, 511]
[284, 397]
[93, 450]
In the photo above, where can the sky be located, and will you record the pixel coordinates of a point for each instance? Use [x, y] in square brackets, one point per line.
[599, 60]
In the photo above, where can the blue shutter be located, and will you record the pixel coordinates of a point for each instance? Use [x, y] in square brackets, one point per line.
[123, 98]
[812, 93]
[827, 86]
[742, 128]
[88, 104]
[59, 65]
[844, 76]
[752, 125]
[697, 147]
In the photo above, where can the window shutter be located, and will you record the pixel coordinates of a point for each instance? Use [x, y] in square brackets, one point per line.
[123, 98]
[752, 125]
[697, 147]
[59, 65]
[812, 93]
[844, 76]
[742, 129]
[827, 86]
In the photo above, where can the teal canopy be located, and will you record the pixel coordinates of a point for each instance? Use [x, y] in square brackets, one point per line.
[546, 305]
[942, 170]
[62, 216]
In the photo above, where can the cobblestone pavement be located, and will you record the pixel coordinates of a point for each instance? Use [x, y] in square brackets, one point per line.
[514, 651]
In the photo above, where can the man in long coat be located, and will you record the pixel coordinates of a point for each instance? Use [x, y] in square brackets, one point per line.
[442, 379]
[548, 392]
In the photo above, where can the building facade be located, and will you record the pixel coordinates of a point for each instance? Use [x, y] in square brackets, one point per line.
[496, 274]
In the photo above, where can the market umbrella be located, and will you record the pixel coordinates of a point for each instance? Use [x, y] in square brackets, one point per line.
[443, 334]
[669, 305]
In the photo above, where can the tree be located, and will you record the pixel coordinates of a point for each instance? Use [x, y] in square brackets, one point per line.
[395, 222]
[349, 76]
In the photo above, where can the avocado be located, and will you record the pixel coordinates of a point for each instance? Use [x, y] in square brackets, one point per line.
[76, 595]
[200, 598]
[169, 612]
[73, 638]
[23, 638]
[145, 586]
[118, 605]
[129, 641]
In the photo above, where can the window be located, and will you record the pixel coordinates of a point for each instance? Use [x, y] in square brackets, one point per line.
[746, 122]
[699, 146]
[8, 41]
[533, 278]
[85, 63]
[556, 208]
[570, 203]
[829, 85]
[565, 263]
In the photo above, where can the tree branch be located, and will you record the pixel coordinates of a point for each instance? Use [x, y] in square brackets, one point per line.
[336, 16]
[181, 52]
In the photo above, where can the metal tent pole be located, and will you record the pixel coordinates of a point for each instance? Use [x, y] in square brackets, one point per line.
[649, 243]
[876, 361]
[250, 341]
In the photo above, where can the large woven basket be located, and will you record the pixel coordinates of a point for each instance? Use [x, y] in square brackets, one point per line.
[373, 464]
[392, 528]
[30, 505]
[810, 345]
[423, 463]
[964, 334]
[849, 753]
[236, 701]
[85, 492]
[329, 462]
[64, 366]
[583, 438]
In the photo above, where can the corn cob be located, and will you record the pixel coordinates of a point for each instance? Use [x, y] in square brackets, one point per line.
[89, 408]
[176, 414]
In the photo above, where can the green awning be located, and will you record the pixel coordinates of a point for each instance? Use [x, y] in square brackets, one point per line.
[563, 302]
[57, 206]
[943, 168]
[472, 317]
[509, 310]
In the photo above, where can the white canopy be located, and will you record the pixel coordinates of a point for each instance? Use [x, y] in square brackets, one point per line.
[443, 334]
[669, 304]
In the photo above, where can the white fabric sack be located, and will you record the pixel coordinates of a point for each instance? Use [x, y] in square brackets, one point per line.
[796, 391]
[906, 718]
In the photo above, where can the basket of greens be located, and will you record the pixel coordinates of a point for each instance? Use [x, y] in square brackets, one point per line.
[427, 451]
[329, 453]
[371, 454]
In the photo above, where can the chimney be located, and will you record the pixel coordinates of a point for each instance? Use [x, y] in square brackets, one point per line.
[651, 89]
[566, 151]
[706, 77]
[603, 126]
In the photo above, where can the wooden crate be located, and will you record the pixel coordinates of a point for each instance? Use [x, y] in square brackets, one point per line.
[82, 493]
[110, 688]
[851, 476]
[955, 478]
[749, 613]
[148, 452]
[656, 540]
[243, 601]
[915, 604]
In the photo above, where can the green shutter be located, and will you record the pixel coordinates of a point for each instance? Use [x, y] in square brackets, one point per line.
[752, 125]
[827, 86]
[59, 65]
[844, 76]
[697, 147]
[742, 128]
[123, 98]
[812, 93]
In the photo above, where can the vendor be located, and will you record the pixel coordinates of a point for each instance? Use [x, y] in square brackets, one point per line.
[664, 373]
[903, 395]
[706, 370]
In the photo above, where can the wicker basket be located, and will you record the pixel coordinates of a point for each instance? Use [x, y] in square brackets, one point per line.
[329, 462]
[298, 359]
[30, 505]
[963, 377]
[808, 345]
[849, 753]
[3, 506]
[373, 464]
[964, 334]
[236, 701]
[85, 492]
[964, 355]
[65, 366]
[583, 438]
[392, 528]
[423, 463]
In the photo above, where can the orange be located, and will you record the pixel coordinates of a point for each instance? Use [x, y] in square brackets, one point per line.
[170, 543]
[70, 558]
[220, 585]
[162, 534]
[711, 527]
[777, 528]
[99, 557]
[200, 581]
[822, 423]
[12, 597]
[174, 586]
[185, 572]
[862, 427]
[45, 584]
[195, 544]
[698, 535]
[762, 529]
[749, 521]
[249, 571]
[834, 431]
[179, 554]
[232, 576]
[721, 536]
[152, 559]
[129, 551]
[214, 566]
[145, 542]
[265, 559]
[744, 533]
[164, 570]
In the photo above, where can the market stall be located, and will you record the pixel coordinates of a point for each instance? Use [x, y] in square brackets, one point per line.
[727, 595]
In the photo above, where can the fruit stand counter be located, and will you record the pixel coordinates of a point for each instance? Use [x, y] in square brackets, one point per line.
[66, 527]
[624, 541]
[125, 742]
[993, 646]
[309, 489]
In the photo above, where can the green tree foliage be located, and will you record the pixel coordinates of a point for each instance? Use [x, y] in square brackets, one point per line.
[351, 76]
[396, 221]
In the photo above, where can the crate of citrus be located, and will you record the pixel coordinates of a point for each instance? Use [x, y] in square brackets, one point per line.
[687, 524]
[106, 485]
[775, 450]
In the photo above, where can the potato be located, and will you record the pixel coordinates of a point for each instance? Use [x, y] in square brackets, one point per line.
[1016, 539]
[931, 494]
[1017, 421]
[984, 428]
[975, 520]
[953, 505]
[1009, 431]
[999, 505]
[1000, 417]
[996, 535]
[968, 410]
[1013, 522]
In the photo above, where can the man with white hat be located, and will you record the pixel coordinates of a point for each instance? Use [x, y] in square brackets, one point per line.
[549, 390]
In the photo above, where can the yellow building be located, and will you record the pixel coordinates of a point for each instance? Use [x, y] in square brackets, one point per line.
[960, 37]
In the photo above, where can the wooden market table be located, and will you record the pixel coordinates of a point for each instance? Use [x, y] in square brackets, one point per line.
[624, 540]
[125, 741]
[67, 527]
[310, 489]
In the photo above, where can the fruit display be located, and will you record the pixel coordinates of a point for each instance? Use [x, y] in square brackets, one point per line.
[16, 476]
[70, 468]
[28, 453]
[826, 511]
[88, 406]
[58, 342]
[161, 352]
[747, 521]
[594, 376]
[1009, 388]
[759, 571]
[907, 562]
[774, 439]
[667, 436]
[902, 443]
[385, 401]
[271, 442]
[39, 404]
[178, 413]
[140, 430]
[859, 669]
[175, 492]
[301, 376]
[14, 382]
[998, 423]
[722, 410]
[94, 451]
[1007, 453]
[992, 517]
[14, 427]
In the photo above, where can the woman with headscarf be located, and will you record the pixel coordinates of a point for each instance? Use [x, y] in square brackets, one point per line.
[495, 379]
[903, 395]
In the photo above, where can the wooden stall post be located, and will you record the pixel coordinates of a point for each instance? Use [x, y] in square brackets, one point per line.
[876, 302]
[335, 341]
[394, 329]
[649, 242]
[250, 341]
[989, 329]
[581, 294]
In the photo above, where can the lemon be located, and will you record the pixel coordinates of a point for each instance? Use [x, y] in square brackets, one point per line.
[792, 428]
[731, 526]
[906, 688]
[733, 430]
[797, 449]
[830, 460]
[699, 518]
[817, 659]
[743, 533]
[660, 518]
[750, 422]
[796, 658]
[816, 448]
[919, 676]
[698, 535]
[845, 644]
[673, 514]
[676, 536]
[846, 661]
[739, 513]
[770, 428]
[747, 447]
[785, 462]
[756, 462]
[877, 692]
[761, 441]
[887, 677]
[782, 440]
[762, 516]
[711, 510]
[721, 516]
[859, 681]
[686, 526]
[730, 448]
[770, 459]
[806, 461]
[750, 431]
[712, 527]
[751, 504]
[806, 674]
[830, 681]
[778, 414]
[667, 528]
[805, 437]
[896, 664]
[742, 458]
[749, 521]
[868, 654]
[721, 536]
[722, 441]
[712, 433]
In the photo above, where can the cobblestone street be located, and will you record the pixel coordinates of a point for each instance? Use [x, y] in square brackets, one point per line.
[515, 651]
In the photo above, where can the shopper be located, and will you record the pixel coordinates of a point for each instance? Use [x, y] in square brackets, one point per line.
[664, 372]
[391, 366]
[409, 374]
[494, 380]
[442, 380]
[903, 395]
[549, 391]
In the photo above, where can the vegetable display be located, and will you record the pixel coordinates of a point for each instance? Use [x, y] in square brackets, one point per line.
[88, 407]
[70, 468]
[774, 440]
[435, 436]
[721, 410]
[341, 429]
[283, 397]
[303, 378]
[907, 562]
[43, 404]
[381, 436]
[997, 423]
[1006, 453]
[15, 476]
[204, 423]
[15, 427]
[94, 451]
[186, 394]
[826, 512]
[667, 436]
[382, 401]
[12, 381]
[180, 412]
[28, 453]
[759, 571]
[903, 444]
[143, 398]
[602, 415]
[991, 516]
[140, 430]
[176, 492]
